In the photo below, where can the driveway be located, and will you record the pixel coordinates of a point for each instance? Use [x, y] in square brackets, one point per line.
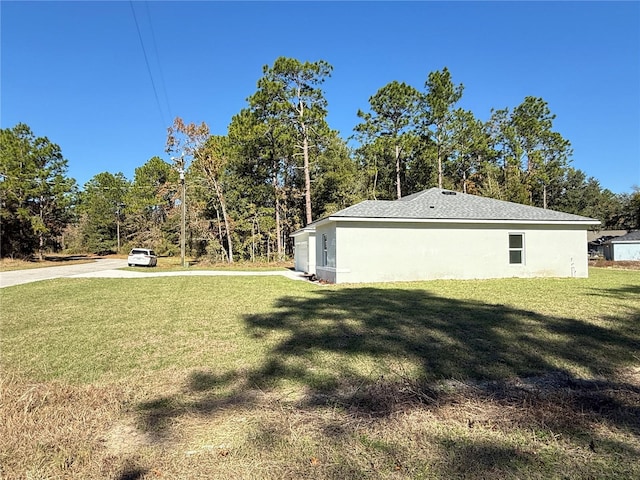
[108, 268]
[17, 277]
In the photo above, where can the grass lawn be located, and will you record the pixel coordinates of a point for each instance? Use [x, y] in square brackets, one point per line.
[264, 377]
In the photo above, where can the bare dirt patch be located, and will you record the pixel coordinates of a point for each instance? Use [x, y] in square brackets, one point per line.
[126, 438]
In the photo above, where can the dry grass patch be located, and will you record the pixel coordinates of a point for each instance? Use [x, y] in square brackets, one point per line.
[52, 429]
[9, 264]
[621, 264]
[545, 427]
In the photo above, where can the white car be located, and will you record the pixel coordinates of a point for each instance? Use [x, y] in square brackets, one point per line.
[143, 257]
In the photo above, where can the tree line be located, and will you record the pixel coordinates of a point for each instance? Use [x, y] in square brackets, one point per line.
[280, 166]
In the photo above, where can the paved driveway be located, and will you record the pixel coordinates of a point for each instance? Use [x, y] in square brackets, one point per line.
[108, 268]
[17, 277]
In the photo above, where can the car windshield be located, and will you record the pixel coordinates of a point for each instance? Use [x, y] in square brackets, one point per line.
[139, 252]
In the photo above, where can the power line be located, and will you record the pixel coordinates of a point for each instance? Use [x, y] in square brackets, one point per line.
[155, 47]
[146, 60]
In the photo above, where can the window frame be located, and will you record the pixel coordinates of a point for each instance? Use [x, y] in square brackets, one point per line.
[325, 249]
[520, 249]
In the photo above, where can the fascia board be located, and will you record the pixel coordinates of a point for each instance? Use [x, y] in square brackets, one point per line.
[302, 231]
[461, 221]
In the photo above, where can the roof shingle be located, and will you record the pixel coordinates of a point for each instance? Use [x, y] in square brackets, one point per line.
[439, 204]
[629, 237]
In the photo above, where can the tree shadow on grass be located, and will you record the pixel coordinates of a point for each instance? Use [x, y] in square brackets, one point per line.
[482, 345]
[64, 258]
[623, 292]
[475, 459]
[449, 338]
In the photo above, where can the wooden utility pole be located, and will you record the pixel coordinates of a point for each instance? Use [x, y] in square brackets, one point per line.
[184, 215]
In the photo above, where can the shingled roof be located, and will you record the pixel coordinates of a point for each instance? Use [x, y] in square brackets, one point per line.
[439, 204]
[632, 237]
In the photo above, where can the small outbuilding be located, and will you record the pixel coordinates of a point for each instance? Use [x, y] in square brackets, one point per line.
[305, 250]
[626, 247]
[442, 234]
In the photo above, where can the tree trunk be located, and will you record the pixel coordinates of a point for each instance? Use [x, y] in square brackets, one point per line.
[40, 247]
[224, 250]
[439, 163]
[253, 240]
[41, 233]
[118, 229]
[225, 218]
[277, 213]
[375, 183]
[268, 248]
[307, 175]
[398, 180]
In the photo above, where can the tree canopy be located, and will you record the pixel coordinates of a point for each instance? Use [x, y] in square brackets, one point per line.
[36, 196]
[280, 166]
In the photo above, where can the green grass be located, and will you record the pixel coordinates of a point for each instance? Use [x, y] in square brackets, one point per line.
[106, 329]
[276, 329]
[273, 378]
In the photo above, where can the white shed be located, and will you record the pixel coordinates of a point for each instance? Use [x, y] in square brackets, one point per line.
[441, 234]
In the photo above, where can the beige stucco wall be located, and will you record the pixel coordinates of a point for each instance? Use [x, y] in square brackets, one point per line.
[378, 252]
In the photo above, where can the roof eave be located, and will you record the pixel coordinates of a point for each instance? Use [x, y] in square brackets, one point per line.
[460, 220]
[308, 229]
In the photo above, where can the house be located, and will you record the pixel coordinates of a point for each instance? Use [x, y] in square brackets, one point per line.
[441, 234]
[626, 247]
[597, 238]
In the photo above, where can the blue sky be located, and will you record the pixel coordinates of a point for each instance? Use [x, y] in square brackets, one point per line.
[75, 72]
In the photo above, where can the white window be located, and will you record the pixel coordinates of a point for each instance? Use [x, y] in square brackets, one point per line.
[324, 250]
[516, 248]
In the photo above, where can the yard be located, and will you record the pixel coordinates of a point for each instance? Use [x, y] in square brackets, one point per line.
[264, 377]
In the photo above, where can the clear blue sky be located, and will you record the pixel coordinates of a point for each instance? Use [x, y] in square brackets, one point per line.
[75, 72]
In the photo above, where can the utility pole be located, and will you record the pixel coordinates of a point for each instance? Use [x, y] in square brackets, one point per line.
[118, 225]
[183, 210]
[184, 214]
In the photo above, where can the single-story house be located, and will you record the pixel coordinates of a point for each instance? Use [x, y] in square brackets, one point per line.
[441, 234]
[597, 239]
[626, 247]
